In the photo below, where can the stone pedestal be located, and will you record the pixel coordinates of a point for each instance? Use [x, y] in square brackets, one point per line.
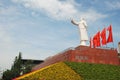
[83, 54]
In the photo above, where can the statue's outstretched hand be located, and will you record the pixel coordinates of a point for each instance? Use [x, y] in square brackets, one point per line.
[72, 21]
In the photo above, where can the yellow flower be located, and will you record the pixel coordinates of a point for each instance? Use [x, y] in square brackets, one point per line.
[57, 71]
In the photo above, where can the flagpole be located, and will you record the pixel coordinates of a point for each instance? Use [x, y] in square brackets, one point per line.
[99, 36]
[90, 42]
[106, 45]
[112, 35]
[113, 45]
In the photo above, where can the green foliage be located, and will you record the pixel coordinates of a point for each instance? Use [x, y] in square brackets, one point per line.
[17, 62]
[58, 71]
[5, 74]
[96, 71]
[27, 66]
[17, 68]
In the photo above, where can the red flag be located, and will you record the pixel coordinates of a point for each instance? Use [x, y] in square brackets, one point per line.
[96, 40]
[103, 36]
[110, 37]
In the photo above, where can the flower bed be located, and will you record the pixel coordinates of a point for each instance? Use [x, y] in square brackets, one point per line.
[57, 71]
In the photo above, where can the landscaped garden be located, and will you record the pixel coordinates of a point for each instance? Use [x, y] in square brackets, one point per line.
[74, 71]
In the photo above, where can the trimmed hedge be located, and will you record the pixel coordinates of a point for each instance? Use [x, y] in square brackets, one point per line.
[57, 71]
[96, 71]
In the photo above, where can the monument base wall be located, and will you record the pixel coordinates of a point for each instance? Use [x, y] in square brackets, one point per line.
[84, 54]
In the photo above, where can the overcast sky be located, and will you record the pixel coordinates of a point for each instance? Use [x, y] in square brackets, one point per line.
[42, 28]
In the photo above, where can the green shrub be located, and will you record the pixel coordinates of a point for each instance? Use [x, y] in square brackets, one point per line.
[96, 71]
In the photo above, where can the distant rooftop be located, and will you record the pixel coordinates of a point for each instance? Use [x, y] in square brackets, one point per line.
[35, 62]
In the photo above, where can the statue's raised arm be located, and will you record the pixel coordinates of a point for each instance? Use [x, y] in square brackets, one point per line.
[74, 22]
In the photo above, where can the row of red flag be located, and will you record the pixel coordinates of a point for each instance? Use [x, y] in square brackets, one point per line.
[100, 37]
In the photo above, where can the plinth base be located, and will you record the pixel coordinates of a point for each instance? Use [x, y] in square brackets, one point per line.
[84, 54]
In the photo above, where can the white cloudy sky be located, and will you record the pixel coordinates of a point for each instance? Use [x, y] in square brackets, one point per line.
[42, 28]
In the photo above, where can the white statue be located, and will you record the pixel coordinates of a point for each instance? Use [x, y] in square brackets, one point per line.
[82, 30]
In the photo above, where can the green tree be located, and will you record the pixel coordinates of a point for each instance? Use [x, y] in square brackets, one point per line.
[7, 75]
[0, 73]
[27, 67]
[17, 68]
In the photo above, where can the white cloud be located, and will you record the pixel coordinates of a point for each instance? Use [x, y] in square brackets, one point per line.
[10, 11]
[92, 15]
[61, 9]
[113, 5]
